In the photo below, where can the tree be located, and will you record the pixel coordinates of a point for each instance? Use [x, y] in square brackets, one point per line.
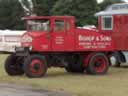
[10, 15]
[83, 10]
[11, 12]
[43, 7]
[106, 3]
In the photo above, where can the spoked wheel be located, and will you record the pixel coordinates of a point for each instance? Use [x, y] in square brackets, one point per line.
[35, 66]
[98, 64]
[14, 65]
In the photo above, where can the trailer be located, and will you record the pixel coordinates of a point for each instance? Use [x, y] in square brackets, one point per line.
[55, 41]
[114, 22]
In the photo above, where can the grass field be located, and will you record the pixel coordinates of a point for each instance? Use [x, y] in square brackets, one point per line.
[115, 83]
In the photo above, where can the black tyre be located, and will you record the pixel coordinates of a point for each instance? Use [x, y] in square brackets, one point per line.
[13, 65]
[35, 66]
[98, 64]
[117, 65]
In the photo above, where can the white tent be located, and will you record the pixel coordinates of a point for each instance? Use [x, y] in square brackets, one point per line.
[9, 39]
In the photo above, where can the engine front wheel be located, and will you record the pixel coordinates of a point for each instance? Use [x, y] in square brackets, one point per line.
[35, 66]
[98, 64]
[13, 65]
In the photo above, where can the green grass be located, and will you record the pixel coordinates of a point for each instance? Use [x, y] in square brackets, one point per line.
[115, 83]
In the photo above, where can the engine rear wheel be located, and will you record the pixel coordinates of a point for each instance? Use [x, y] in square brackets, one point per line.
[13, 65]
[98, 64]
[35, 66]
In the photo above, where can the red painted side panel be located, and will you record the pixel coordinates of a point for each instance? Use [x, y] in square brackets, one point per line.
[62, 41]
[58, 41]
[70, 42]
[93, 41]
[41, 41]
[119, 33]
[82, 40]
[124, 32]
[72, 39]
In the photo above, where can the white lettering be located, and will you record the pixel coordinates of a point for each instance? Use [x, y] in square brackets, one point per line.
[105, 38]
[92, 38]
[86, 38]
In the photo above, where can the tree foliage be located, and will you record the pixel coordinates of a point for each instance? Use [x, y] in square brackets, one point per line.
[106, 3]
[83, 10]
[44, 7]
[10, 15]
[11, 11]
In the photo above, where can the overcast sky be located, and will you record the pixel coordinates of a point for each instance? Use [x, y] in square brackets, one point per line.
[102, 0]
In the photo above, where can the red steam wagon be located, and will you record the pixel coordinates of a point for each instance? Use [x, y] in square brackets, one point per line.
[55, 41]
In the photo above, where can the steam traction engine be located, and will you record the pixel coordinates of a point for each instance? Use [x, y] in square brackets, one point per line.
[54, 41]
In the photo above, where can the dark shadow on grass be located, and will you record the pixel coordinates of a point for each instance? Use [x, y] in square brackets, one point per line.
[118, 70]
[122, 66]
[60, 74]
[125, 66]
